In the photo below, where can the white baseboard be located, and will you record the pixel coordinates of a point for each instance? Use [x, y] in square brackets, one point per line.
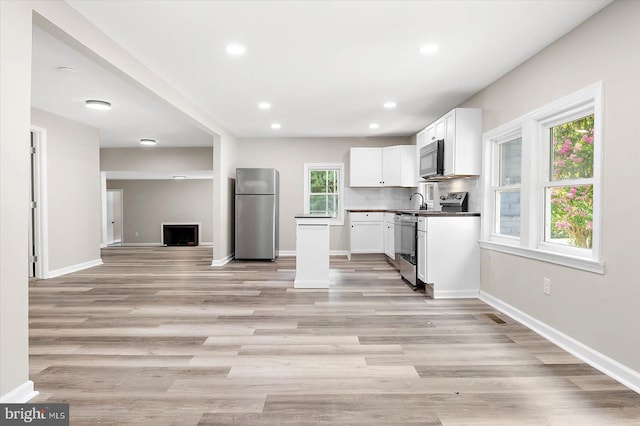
[206, 243]
[223, 261]
[612, 368]
[292, 253]
[20, 395]
[455, 294]
[103, 245]
[73, 268]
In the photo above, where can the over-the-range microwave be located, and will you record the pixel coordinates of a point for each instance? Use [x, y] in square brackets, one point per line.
[432, 159]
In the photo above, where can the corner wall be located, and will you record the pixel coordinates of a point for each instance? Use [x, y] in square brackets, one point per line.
[73, 191]
[600, 311]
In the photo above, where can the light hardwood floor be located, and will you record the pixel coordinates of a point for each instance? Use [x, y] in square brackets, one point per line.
[157, 336]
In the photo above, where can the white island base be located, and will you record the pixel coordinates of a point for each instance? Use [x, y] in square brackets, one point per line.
[312, 251]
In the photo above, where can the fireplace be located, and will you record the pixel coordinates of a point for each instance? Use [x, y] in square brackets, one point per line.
[180, 234]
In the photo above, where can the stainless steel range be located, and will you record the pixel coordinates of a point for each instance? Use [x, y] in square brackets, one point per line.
[455, 202]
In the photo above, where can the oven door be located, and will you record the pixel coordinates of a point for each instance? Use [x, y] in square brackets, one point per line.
[408, 259]
[432, 159]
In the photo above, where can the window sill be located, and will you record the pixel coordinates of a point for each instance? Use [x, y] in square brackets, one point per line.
[581, 263]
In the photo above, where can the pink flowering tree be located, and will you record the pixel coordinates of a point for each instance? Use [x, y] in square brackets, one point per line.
[572, 206]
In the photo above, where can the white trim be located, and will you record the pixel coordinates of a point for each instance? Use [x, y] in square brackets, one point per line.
[308, 284]
[180, 223]
[20, 395]
[103, 245]
[292, 253]
[223, 261]
[103, 196]
[74, 268]
[326, 166]
[597, 360]
[454, 294]
[575, 262]
[42, 204]
[535, 157]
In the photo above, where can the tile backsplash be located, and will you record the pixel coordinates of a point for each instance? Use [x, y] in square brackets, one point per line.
[379, 198]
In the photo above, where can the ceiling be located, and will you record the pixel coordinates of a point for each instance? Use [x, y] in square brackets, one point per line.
[326, 67]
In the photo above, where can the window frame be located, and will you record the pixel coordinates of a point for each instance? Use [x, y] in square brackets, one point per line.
[535, 178]
[339, 167]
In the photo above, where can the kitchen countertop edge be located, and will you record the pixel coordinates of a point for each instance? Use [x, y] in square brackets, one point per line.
[415, 212]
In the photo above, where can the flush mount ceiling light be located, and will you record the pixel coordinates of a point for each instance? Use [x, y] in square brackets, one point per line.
[390, 105]
[264, 105]
[95, 104]
[179, 177]
[67, 69]
[148, 141]
[429, 49]
[235, 49]
[276, 126]
[374, 125]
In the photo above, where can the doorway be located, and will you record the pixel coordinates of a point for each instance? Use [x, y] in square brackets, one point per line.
[37, 249]
[115, 209]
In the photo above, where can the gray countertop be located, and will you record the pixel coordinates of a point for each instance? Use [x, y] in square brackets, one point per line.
[431, 213]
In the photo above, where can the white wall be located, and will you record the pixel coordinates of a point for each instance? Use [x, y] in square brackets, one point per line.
[15, 99]
[288, 155]
[600, 311]
[156, 159]
[73, 190]
[149, 203]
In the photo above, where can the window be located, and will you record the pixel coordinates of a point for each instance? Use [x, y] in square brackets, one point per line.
[507, 187]
[323, 190]
[542, 195]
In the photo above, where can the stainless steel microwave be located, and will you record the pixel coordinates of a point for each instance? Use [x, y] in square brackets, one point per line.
[432, 159]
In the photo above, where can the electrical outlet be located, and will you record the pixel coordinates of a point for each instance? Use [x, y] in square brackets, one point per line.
[547, 286]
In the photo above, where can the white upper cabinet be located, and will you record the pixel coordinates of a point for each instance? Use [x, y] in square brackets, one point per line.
[365, 167]
[461, 129]
[387, 166]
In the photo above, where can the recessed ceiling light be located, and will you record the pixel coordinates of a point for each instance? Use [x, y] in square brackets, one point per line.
[235, 49]
[374, 125]
[67, 69]
[179, 177]
[390, 105]
[276, 126]
[148, 141]
[429, 49]
[264, 105]
[95, 104]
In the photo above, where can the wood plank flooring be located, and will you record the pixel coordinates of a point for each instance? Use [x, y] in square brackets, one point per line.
[157, 336]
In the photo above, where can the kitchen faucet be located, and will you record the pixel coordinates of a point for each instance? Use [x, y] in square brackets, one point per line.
[423, 205]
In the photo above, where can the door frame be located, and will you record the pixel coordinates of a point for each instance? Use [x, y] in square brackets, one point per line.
[41, 226]
[121, 191]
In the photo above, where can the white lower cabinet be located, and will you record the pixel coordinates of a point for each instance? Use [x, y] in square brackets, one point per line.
[366, 232]
[389, 235]
[449, 255]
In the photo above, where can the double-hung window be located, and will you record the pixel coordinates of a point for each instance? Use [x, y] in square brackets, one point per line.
[543, 186]
[324, 189]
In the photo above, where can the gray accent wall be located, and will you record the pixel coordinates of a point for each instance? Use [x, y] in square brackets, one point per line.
[288, 155]
[73, 190]
[149, 203]
[600, 311]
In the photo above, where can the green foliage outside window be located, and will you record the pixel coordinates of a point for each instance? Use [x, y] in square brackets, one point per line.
[323, 194]
[572, 206]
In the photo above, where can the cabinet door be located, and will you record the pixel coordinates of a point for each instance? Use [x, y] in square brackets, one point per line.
[389, 237]
[391, 166]
[440, 129]
[367, 237]
[422, 256]
[365, 167]
[450, 143]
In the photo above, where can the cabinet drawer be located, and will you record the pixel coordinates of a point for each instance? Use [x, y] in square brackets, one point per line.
[422, 224]
[366, 217]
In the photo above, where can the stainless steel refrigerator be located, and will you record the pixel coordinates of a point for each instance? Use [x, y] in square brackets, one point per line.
[256, 215]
